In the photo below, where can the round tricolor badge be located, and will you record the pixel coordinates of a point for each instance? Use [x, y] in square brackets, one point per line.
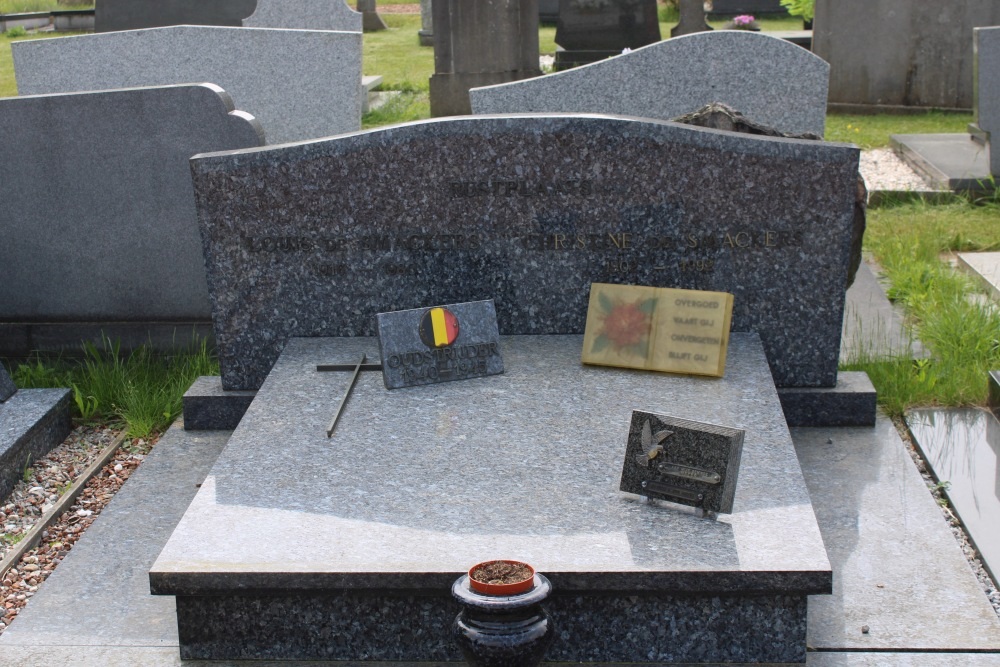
[438, 328]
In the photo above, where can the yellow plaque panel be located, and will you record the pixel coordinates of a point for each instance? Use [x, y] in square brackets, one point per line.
[658, 328]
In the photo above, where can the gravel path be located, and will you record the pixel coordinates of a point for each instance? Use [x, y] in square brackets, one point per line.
[884, 170]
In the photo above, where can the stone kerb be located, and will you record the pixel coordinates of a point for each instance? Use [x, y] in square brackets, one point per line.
[111, 15]
[520, 209]
[100, 226]
[305, 14]
[300, 84]
[771, 81]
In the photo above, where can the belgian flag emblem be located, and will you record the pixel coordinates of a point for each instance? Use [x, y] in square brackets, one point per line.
[438, 327]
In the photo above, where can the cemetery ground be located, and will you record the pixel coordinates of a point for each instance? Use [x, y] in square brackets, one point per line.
[131, 400]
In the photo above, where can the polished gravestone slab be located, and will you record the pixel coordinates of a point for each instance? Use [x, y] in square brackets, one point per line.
[962, 448]
[303, 547]
[948, 161]
[985, 266]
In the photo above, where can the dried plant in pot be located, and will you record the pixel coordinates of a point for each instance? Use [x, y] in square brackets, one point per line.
[501, 577]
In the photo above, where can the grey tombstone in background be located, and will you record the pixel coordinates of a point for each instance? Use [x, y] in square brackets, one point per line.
[548, 11]
[304, 15]
[100, 226]
[776, 83]
[300, 84]
[986, 82]
[111, 15]
[479, 44]
[913, 53]
[7, 386]
[426, 33]
[748, 7]
[591, 30]
[692, 19]
[515, 209]
[372, 21]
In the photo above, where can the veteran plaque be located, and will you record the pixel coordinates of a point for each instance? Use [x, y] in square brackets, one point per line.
[682, 461]
[658, 328]
[439, 344]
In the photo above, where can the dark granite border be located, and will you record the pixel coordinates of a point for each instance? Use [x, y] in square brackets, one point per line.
[851, 403]
[32, 423]
[209, 407]
[588, 628]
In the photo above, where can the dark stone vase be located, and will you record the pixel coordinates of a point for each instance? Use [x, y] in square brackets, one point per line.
[503, 631]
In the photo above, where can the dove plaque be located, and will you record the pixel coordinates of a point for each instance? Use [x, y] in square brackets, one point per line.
[682, 461]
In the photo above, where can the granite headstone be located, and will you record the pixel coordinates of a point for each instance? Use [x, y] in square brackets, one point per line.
[426, 33]
[775, 83]
[986, 125]
[371, 21]
[754, 7]
[440, 344]
[683, 461]
[112, 15]
[591, 30]
[304, 15]
[913, 53]
[480, 44]
[100, 226]
[7, 386]
[300, 84]
[516, 209]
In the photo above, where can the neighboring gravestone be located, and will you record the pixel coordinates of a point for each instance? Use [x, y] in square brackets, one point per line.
[100, 226]
[776, 84]
[591, 30]
[300, 84]
[729, 7]
[426, 33]
[548, 11]
[692, 18]
[304, 15]
[480, 44]
[111, 15]
[372, 21]
[515, 209]
[915, 53]
[986, 82]
[7, 386]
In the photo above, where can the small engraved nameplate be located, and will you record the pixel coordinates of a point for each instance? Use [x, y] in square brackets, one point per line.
[683, 461]
[429, 345]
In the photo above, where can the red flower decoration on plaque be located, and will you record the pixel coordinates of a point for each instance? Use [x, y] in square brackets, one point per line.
[624, 326]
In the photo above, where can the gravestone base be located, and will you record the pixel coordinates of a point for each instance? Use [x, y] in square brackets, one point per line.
[851, 403]
[949, 161]
[566, 59]
[598, 626]
[209, 407]
[352, 557]
[32, 423]
[20, 340]
[450, 91]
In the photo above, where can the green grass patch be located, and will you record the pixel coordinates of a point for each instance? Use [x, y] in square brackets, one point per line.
[872, 131]
[945, 308]
[397, 56]
[24, 6]
[141, 391]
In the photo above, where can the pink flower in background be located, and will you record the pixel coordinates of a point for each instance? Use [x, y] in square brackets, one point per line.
[743, 20]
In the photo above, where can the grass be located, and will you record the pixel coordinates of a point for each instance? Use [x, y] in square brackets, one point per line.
[22, 6]
[946, 309]
[141, 391]
[868, 131]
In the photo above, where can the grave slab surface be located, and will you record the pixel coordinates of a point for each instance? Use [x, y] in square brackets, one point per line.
[962, 448]
[417, 485]
[951, 161]
[897, 566]
[99, 595]
[985, 266]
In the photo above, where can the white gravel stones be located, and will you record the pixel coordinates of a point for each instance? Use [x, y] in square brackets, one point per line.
[883, 170]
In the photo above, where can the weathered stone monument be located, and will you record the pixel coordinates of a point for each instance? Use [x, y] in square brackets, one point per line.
[372, 21]
[32, 422]
[304, 15]
[479, 44]
[912, 53]
[692, 19]
[426, 32]
[111, 15]
[112, 188]
[591, 30]
[300, 84]
[418, 484]
[777, 84]
[964, 161]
